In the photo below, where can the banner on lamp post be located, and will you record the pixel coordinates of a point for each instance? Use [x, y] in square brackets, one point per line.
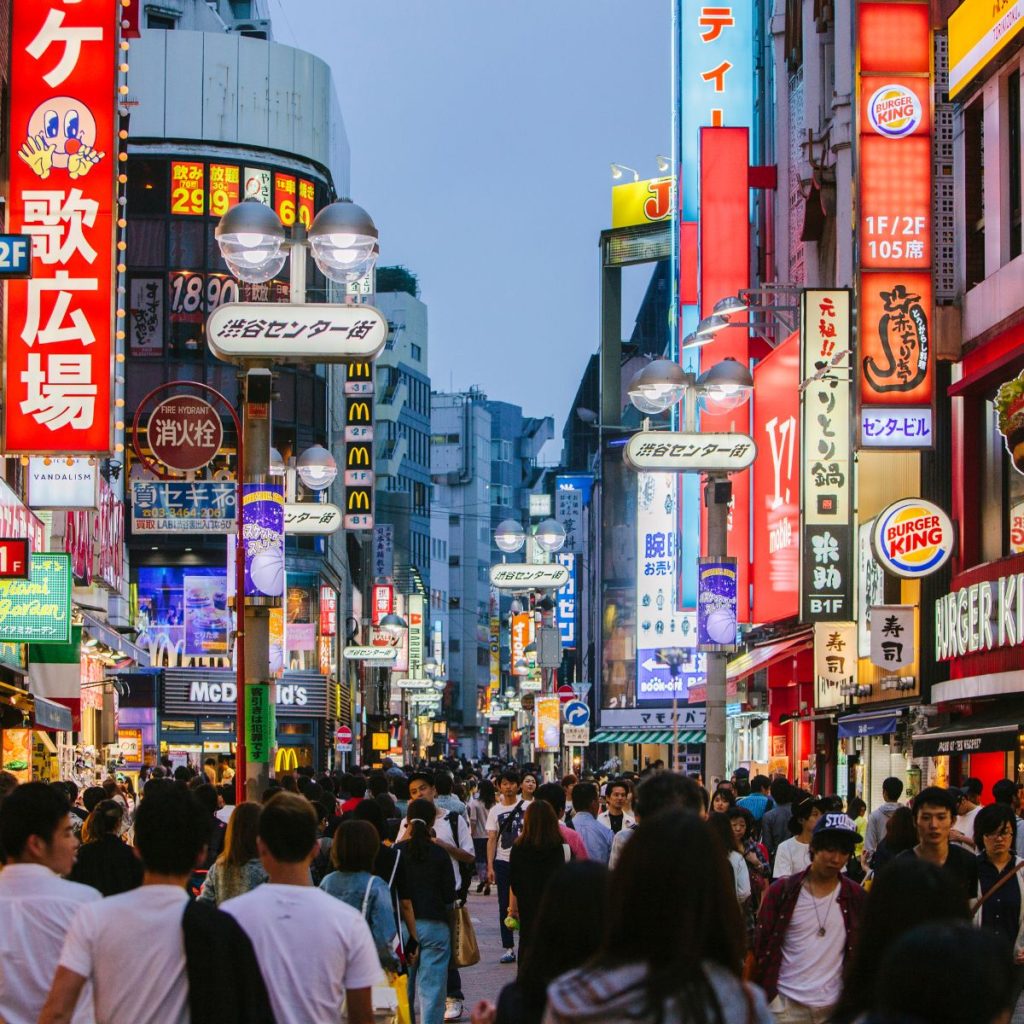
[548, 719]
[414, 604]
[716, 604]
[259, 722]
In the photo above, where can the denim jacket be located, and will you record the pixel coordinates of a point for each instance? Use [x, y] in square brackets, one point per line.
[350, 888]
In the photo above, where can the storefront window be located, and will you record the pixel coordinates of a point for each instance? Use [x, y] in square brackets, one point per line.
[178, 725]
[216, 726]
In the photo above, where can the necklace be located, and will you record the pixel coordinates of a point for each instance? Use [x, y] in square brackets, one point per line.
[828, 910]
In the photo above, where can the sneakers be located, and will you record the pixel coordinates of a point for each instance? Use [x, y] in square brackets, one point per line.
[509, 957]
[452, 1009]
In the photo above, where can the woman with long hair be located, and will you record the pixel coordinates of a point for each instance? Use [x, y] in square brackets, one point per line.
[426, 890]
[538, 852]
[238, 868]
[482, 800]
[722, 800]
[794, 854]
[907, 893]
[900, 835]
[683, 965]
[353, 882]
[105, 861]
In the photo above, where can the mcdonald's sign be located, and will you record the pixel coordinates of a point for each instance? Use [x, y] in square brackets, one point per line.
[359, 476]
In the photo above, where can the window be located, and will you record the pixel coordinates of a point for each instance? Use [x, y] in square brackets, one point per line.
[483, 657]
[1013, 135]
[161, 21]
[454, 645]
[501, 451]
[454, 561]
[454, 603]
[974, 195]
[454, 520]
[416, 352]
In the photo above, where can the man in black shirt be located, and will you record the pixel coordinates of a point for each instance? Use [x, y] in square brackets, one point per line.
[616, 816]
[934, 813]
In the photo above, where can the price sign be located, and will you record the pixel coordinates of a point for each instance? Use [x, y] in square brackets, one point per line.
[193, 294]
[306, 195]
[284, 198]
[224, 188]
[187, 191]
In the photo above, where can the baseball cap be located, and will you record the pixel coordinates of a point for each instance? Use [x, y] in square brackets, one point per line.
[837, 824]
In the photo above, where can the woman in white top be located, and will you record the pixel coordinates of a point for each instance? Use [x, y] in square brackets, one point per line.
[722, 827]
[794, 854]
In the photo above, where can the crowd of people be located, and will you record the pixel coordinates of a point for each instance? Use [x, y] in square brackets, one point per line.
[648, 899]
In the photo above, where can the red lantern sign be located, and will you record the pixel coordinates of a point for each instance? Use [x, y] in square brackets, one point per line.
[184, 433]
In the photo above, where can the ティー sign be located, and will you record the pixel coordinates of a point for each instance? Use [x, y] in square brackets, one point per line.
[58, 358]
[912, 538]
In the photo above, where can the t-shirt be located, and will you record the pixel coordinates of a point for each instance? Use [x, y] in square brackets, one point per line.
[310, 946]
[507, 821]
[811, 968]
[965, 824]
[443, 831]
[127, 989]
[962, 865]
[741, 875]
[792, 856]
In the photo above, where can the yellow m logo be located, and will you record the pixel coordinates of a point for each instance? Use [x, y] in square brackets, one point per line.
[359, 455]
[359, 412]
[359, 371]
[358, 500]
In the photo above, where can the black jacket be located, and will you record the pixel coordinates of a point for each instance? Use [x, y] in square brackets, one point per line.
[225, 985]
[107, 865]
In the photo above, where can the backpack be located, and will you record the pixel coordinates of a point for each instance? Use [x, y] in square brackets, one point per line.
[467, 872]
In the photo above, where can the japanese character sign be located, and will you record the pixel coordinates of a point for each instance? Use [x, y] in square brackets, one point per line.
[893, 637]
[569, 512]
[184, 433]
[62, 143]
[826, 457]
[835, 663]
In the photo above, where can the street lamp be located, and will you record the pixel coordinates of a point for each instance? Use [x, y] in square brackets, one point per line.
[509, 536]
[343, 239]
[316, 468]
[725, 386]
[550, 535]
[251, 239]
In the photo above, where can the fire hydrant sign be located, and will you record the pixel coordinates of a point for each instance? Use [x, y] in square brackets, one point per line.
[62, 156]
[185, 433]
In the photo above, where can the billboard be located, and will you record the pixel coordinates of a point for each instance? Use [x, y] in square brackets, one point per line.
[58, 357]
[38, 610]
[184, 609]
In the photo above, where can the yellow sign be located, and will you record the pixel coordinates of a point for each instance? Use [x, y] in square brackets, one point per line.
[548, 717]
[381, 741]
[643, 202]
[978, 30]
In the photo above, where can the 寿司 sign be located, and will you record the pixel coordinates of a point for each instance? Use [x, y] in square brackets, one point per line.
[58, 364]
[912, 538]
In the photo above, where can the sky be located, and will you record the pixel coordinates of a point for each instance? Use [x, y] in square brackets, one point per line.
[481, 133]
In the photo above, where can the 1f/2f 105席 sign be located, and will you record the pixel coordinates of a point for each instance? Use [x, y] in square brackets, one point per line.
[295, 333]
[667, 452]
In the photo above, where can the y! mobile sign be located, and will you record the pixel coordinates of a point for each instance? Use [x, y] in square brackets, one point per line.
[63, 158]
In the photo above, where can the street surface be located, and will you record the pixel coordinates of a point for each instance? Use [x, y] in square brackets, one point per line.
[485, 980]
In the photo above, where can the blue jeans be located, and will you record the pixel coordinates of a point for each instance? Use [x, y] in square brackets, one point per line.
[428, 976]
[501, 876]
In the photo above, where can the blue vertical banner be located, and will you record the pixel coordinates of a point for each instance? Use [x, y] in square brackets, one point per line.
[565, 601]
[716, 604]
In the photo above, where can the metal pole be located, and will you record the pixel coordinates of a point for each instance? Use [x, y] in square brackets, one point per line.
[716, 497]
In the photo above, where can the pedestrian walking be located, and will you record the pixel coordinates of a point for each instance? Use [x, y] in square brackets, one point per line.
[480, 804]
[775, 822]
[238, 869]
[184, 962]
[722, 800]
[596, 837]
[968, 803]
[660, 791]
[733, 850]
[874, 833]
[504, 823]
[536, 855]
[570, 924]
[36, 904]
[615, 816]
[934, 809]
[794, 855]
[683, 965]
[1008, 792]
[530, 782]
[900, 835]
[757, 801]
[426, 888]
[290, 922]
[553, 794]
[808, 927]
[353, 882]
[105, 861]
[906, 894]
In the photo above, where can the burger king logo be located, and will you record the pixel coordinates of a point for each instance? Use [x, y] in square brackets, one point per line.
[912, 538]
[894, 111]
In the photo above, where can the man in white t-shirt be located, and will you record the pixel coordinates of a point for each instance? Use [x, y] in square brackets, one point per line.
[459, 848]
[806, 927]
[316, 953]
[504, 823]
[36, 904]
[968, 805]
[132, 946]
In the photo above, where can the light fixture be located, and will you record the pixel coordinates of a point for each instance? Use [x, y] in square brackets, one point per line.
[516, 607]
[277, 466]
[343, 238]
[712, 325]
[392, 623]
[695, 340]
[509, 536]
[617, 170]
[550, 535]
[316, 468]
[251, 240]
[725, 386]
[657, 387]
[730, 306]
[664, 163]
[439, 684]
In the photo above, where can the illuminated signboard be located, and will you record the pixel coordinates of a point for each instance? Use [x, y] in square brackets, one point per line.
[224, 188]
[978, 30]
[641, 202]
[187, 190]
[307, 192]
[894, 113]
[258, 181]
[826, 457]
[58, 358]
[359, 396]
[284, 198]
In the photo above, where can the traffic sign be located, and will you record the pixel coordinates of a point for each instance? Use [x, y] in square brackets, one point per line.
[184, 433]
[653, 451]
[576, 735]
[581, 690]
[15, 256]
[238, 332]
[343, 738]
[576, 713]
[565, 693]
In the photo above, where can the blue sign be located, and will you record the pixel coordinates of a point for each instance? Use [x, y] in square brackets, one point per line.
[15, 255]
[716, 604]
[576, 712]
[654, 679]
[583, 482]
[168, 506]
[565, 609]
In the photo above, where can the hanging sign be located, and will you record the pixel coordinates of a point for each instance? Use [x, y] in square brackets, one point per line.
[359, 466]
[716, 604]
[259, 722]
[835, 662]
[184, 433]
[651, 451]
[527, 576]
[62, 146]
[893, 645]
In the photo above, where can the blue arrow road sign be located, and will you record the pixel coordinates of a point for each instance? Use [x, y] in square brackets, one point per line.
[576, 713]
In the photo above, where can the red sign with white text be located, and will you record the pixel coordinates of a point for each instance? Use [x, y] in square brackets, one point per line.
[14, 558]
[284, 198]
[63, 159]
[776, 507]
[383, 602]
[328, 611]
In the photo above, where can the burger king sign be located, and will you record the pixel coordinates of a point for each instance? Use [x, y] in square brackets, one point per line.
[894, 111]
[912, 538]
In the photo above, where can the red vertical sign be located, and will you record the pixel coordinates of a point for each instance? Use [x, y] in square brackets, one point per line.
[63, 159]
[724, 270]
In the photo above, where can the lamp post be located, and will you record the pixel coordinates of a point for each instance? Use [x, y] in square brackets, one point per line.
[256, 245]
[723, 387]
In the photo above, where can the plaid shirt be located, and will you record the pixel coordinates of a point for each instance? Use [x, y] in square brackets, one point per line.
[773, 923]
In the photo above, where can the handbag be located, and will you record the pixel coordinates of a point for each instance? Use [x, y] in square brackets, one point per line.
[465, 951]
[386, 999]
